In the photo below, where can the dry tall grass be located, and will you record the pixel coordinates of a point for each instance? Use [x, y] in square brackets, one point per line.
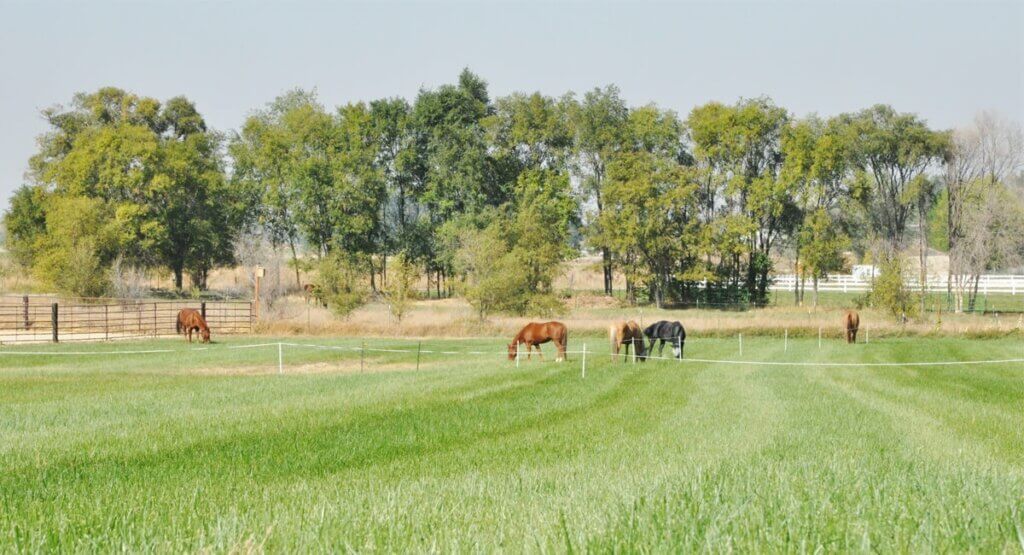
[455, 318]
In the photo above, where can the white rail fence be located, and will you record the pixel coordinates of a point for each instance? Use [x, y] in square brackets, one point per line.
[994, 283]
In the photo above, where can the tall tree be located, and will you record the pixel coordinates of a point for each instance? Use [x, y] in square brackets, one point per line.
[816, 168]
[648, 219]
[151, 166]
[893, 149]
[980, 156]
[599, 123]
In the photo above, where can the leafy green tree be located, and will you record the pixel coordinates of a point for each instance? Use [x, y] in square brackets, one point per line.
[893, 149]
[454, 166]
[822, 242]
[398, 164]
[151, 165]
[25, 223]
[78, 246]
[400, 289]
[265, 155]
[544, 210]
[649, 215]
[889, 290]
[530, 132]
[816, 169]
[599, 122]
[739, 156]
[340, 282]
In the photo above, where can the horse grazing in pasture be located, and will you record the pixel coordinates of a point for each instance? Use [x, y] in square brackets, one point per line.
[311, 292]
[851, 321]
[189, 320]
[624, 334]
[665, 331]
[533, 334]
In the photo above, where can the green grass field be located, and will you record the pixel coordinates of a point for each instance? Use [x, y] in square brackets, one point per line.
[213, 450]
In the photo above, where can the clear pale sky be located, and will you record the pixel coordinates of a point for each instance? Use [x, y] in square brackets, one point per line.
[944, 61]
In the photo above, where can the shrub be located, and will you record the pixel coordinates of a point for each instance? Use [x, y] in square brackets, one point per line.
[400, 289]
[341, 284]
[890, 292]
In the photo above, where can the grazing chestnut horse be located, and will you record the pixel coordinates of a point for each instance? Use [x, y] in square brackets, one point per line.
[533, 334]
[624, 334]
[851, 320]
[190, 320]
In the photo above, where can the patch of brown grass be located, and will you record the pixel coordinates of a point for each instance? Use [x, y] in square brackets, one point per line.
[454, 318]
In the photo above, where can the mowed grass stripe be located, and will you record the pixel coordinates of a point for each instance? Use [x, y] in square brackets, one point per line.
[478, 455]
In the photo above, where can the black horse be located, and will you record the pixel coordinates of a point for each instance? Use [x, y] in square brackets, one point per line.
[665, 331]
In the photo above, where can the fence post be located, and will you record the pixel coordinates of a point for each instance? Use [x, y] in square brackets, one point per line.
[585, 360]
[24, 303]
[154, 319]
[202, 309]
[53, 321]
[419, 345]
[280, 357]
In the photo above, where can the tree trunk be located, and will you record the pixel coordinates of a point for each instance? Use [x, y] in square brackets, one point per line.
[796, 277]
[923, 225]
[606, 256]
[814, 284]
[178, 277]
[295, 262]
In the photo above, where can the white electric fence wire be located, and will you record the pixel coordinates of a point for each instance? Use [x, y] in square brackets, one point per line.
[355, 349]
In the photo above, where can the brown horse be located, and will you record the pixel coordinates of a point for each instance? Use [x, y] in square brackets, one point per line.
[851, 320]
[312, 293]
[190, 320]
[624, 334]
[533, 334]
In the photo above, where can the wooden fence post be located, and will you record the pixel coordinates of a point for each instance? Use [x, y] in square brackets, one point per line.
[24, 302]
[202, 309]
[53, 321]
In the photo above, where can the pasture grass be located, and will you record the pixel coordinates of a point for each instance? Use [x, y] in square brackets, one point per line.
[211, 449]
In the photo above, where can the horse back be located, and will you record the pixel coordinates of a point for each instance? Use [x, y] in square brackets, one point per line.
[852, 319]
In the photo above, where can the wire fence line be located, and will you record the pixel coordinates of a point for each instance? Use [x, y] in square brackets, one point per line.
[582, 354]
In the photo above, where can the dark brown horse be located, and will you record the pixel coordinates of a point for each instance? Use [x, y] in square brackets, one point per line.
[533, 334]
[624, 334]
[851, 320]
[190, 320]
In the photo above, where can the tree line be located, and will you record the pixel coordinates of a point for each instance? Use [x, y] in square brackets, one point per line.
[487, 197]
